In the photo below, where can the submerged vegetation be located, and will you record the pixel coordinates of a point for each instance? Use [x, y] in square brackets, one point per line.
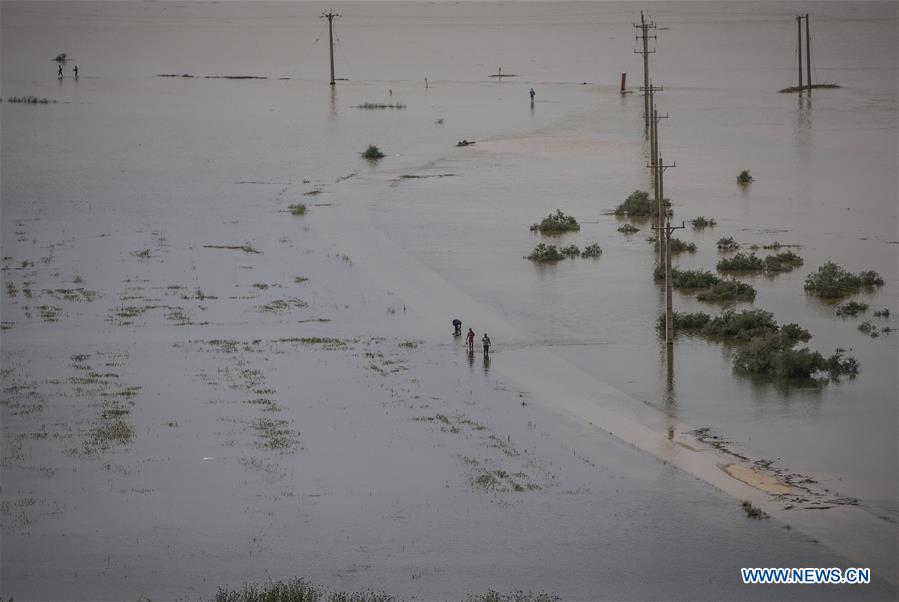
[628, 229]
[372, 153]
[570, 251]
[299, 209]
[638, 204]
[555, 223]
[687, 278]
[764, 347]
[545, 254]
[753, 511]
[702, 222]
[781, 262]
[679, 246]
[744, 178]
[727, 291]
[30, 100]
[377, 105]
[727, 243]
[852, 308]
[591, 251]
[831, 281]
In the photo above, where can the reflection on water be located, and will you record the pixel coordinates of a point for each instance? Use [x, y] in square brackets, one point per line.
[486, 364]
[471, 358]
[669, 376]
[332, 102]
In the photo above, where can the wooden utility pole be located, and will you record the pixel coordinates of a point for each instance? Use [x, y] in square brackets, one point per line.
[799, 40]
[655, 166]
[330, 17]
[643, 35]
[666, 231]
[808, 57]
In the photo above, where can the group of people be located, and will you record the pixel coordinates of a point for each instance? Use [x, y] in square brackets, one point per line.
[469, 338]
[59, 74]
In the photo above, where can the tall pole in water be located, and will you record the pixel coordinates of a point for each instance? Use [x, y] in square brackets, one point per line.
[330, 17]
[644, 28]
[808, 57]
[799, 40]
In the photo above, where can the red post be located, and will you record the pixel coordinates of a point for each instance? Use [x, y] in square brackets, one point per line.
[623, 82]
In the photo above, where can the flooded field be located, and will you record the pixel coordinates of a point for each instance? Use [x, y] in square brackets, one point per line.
[226, 347]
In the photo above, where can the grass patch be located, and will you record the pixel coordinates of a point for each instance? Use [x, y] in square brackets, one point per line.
[298, 209]
[744, 178]
[638, 204]
[296, 590]
[832, 281]
[372, 153]
[591, 251]
[754, 512]
[701, 222]
[380, 105]
[679, 246]
[727, 243]
[544, 253]
[555, 223]
[30, 100]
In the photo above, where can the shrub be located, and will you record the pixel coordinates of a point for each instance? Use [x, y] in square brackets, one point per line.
[375, 105]
[628, 229]
[557, 222]
[591, 251]
[299, 209]
[853, 308]
[782, 262]
[773, 355]
[744, 177]
[638, 204]
[882, 313]
[679, 246]
[687, 278]
[832, 281]
[372, 153]
[795, 332]
[727, 243]
[868, 328]
[754, 512]
[728, 290]
[742, 325]
[545, 253]
[702, 222]
[61, 57]
[685, 321]
[570, 251]
[741, 263]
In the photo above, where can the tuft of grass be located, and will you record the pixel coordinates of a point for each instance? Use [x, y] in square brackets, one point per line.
[372, 153]
[628, 229]
[544, 253]
[727, 243]
[701, 222]
[591, 251]
[852, 308]
[638, 204]
[298, 209]
[555, 223]
[744, 178]
[831, 281]
[753, 512]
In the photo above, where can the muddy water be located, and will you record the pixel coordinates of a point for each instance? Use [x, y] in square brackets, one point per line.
[379, 490]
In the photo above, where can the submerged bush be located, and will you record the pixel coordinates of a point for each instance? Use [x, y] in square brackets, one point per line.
[742, 325]
[868, 328]
[679, 246]
[702, 222]
[882, 313]
[299, 209]
[727, 243]
[741, 263]
[296, 590]
[638, 204]
[545, 253]
[30, 100]
[744, 177]
[832, 281]
[687, 278]
[728, 290]
[591, 251]
[774, 355]
[376, 105]
[372, 153]
[628, 229]
[782, 262]
[571, 251]
[685, 321]
[853, 308]
[557, 222]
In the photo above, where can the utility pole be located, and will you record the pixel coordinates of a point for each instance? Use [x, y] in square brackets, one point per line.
[644, 28]
[669, 318]
[799, 40]
[808, 57]
[330, 17]
[655, 166]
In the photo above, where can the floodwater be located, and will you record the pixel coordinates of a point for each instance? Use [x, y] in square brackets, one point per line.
[121, 187]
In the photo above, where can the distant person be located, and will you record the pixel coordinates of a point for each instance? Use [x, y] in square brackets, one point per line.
[457, 326]
[76, 71]
[533, 94]
[486, 340]
[469, 338]
[426, 83]
[59, 72]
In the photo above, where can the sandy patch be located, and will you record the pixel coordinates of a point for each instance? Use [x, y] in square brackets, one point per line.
[754, 478]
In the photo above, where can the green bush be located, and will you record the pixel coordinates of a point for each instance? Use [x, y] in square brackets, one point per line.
[591, 251]
[702, 222]
[299, 209]
[728, 290]
[571, 251]
[832, 281]
[628, 229]
[687, 278]
[557, 222]
[744, 177]
[774, 355]
[742, 325]
[372, 153]
[727, 243]
[741, 263]
[545, 253]
[685, 321]
[853, 308]
[795, 332]
[638, 204]
[782, 262]
[679, 246]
